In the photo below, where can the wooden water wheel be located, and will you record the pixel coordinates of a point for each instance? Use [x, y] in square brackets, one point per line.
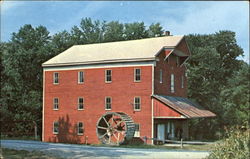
[115, 128]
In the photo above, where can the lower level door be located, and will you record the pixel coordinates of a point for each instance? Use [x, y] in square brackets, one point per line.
[161, 132]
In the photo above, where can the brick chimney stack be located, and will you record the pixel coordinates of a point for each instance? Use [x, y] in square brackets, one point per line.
[166, 33]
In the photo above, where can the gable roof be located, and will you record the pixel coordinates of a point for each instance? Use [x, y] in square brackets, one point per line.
[132, 50]
[184, 106]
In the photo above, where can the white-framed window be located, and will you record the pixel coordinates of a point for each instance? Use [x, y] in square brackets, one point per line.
[80, 103]
[168, 59]
[160, 75]
[137, 130]
[56, 127]
[56, 103]
[56, 78]
[108, 103]
[137, 75]
[172, 83]
[80, 128]
[80, 77]
[108, 76]
[182, 81]
[177, 61]
[137, 103]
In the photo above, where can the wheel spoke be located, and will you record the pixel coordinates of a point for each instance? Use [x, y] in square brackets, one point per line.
[103, 135]
[109, 138]
[119, 131]
[119, 123]
[112, 121]
[100, 127]
[115, 136]
[118, 136]
[105, 121]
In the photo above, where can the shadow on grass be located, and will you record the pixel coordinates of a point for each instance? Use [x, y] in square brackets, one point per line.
[17, 154]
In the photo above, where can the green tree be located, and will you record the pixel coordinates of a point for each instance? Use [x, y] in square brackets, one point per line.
[92, 31]
[114, 31]
[135, 30]
[76, 36]
[62, 41]
[155, 30]
[236, 97]
[22, 89]
[211, 66]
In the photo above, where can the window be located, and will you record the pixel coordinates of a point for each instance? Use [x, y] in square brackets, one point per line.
[55, 127]
[160, 75]
[108, 76]
[80, 128]
[56, 78]
[56, 103]
[80, 103]
[168, 59]
[137, 130]
[177, 61]
[172, 83]
[137, 103]
[137, 75]
[80, 77]
[182, 81]
[108, 102]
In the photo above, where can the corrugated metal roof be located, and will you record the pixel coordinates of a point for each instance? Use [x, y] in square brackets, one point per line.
[185, 106]
[133, 50]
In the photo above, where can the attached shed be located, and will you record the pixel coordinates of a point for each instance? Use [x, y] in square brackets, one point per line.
[171, 115]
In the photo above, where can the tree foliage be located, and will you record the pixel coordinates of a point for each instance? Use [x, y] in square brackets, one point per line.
[235, 146]
[215, 78]
[21, 88]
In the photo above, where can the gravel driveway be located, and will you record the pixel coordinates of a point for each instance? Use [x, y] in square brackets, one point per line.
[83, 151]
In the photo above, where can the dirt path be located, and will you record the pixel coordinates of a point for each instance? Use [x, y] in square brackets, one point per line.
[82, 151]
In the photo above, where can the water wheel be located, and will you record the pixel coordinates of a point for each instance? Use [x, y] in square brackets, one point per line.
[115, 128]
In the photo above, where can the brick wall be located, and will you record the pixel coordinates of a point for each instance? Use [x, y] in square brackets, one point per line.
[169, 67]
[94, 90]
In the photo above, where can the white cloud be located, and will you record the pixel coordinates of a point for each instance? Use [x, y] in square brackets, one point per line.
[9, 5]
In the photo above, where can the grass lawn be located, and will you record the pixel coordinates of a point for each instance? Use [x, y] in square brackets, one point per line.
[4, 137]
[18, 154]
[206, 147]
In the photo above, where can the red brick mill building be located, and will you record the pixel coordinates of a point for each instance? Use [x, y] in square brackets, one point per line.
[112, 92]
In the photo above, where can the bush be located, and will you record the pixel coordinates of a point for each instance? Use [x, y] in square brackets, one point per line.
[235, 146]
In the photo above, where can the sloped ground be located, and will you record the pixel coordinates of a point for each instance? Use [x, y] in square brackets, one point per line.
[83, 151]
[17, 154]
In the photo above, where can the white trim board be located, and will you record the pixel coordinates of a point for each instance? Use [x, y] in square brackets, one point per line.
[43, 105]
[113, 65]
[170, 117]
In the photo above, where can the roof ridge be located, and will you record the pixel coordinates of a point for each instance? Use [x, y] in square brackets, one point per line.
[122, 41]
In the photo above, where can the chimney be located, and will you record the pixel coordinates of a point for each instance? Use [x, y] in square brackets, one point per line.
[166, 33]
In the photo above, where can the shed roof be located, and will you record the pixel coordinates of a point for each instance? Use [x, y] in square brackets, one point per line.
[132, 50]
[185, 106]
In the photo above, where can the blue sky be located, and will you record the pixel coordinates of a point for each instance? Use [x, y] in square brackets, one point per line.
[180, 18]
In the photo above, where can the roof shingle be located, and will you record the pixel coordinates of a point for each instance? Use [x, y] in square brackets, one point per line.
[133, 50]
[185, 106]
